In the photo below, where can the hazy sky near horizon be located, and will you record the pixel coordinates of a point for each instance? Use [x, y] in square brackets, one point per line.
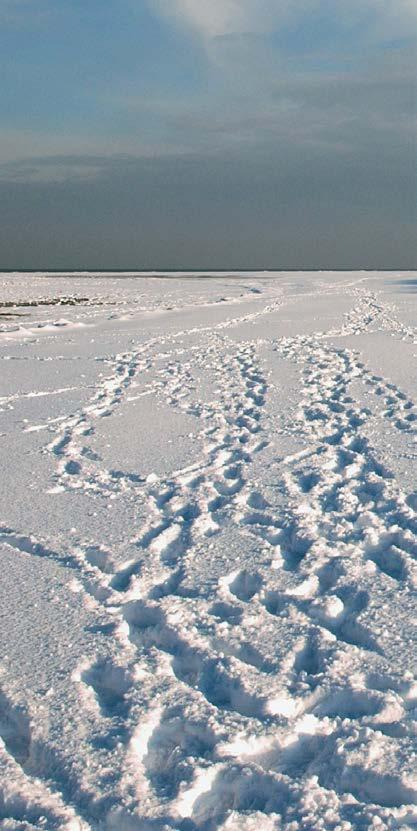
[208, 134]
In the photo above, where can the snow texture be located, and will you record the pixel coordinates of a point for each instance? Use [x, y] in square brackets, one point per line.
[208, 535]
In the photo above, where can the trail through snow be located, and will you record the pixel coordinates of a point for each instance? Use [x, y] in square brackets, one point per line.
[208, 527]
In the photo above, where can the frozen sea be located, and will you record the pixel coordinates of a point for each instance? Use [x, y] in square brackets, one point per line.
[208, 537]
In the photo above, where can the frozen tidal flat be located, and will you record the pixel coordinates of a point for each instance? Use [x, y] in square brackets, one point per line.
[208, 534]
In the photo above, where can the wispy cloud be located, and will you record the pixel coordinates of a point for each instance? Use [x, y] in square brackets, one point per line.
[223, 17]
[55, 170]
[338, 115]
[233, 17]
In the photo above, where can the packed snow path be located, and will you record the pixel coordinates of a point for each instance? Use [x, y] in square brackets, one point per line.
[208, 533]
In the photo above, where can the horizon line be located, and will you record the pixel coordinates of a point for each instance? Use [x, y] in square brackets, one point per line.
[150, 271]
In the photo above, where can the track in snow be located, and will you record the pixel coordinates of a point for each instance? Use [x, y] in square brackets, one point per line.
[260, 689]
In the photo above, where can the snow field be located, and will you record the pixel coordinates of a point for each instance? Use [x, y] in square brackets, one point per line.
[244, 637]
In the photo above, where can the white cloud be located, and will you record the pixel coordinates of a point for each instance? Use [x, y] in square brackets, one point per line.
[232, 17]
[224, 17]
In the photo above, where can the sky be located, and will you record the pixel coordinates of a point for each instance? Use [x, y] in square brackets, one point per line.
[156, 134]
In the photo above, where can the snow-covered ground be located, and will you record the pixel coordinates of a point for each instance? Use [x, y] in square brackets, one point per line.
[208, 533]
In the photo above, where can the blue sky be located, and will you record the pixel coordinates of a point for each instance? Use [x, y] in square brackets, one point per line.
[245, 100]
